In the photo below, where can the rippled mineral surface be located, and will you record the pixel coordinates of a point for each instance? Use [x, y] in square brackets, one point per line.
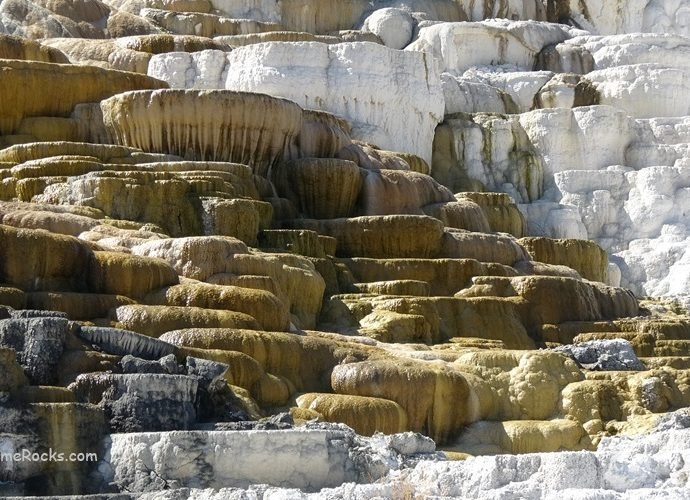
[305, 249]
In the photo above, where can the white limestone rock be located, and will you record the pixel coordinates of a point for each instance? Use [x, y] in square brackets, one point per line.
[505, 9]
[460, 46]
[309, 458]
[492, 150]
[404, 94]
[665, 49]
[393, 26]
[644, 90]
[651, 466]
[521, 86]
[587, 138]
[465, 95]
[607, 17]
[206, 69]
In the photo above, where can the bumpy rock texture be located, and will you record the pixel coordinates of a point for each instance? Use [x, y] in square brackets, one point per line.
[231, 229]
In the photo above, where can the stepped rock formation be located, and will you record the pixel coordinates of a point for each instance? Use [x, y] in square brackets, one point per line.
[260, 249]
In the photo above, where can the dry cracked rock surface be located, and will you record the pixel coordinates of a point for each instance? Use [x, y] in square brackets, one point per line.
[313, 248]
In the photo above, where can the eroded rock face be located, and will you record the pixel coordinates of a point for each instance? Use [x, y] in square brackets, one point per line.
[39, 343]
[141, 402]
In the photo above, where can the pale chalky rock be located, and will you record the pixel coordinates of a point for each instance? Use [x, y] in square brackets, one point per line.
[331, 78]
[465, 95]
[609, 18]
[514, 82]
[460, 46]
[268, 458]
[610, 51]
[520, 9]
[197, 133]
[644, 90]
[489, 152]
[393, 26]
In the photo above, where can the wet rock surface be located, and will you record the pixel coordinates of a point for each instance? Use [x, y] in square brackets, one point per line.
[345, 249]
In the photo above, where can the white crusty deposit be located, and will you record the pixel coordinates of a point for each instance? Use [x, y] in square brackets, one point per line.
[392, 98]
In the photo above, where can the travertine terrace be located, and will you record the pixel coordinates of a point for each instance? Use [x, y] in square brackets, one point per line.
[310, 243]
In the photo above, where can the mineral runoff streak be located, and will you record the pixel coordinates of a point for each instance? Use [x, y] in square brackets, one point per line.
[51, 455]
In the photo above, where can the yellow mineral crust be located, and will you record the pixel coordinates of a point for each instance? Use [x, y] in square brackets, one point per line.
[438, 399]
[305, 361]
[252, 129]
[34, 260]
[129, 275]
[389, 236]
[265, 307]
[309, 182]
[366, 415]
[586, 257]
[157, 320]
[14, 47]
[23, 84]
[522, 436]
